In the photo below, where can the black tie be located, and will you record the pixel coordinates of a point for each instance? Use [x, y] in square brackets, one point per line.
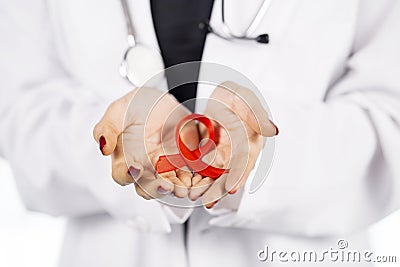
[176, 24]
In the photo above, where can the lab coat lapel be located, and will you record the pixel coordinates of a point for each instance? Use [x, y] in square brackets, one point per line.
[304, 45]
[143, 23]
[91, 40]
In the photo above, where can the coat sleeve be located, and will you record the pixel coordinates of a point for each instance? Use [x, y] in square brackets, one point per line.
[337, 162]
[46, 128]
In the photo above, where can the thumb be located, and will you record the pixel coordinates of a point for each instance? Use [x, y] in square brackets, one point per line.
[190, 135]
[110, 126]
[125, 168]
[247, 106]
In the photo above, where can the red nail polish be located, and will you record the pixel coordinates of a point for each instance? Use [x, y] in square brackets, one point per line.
[102, 143]
[209, 207]
[276, 128]
[233, 191]
[133, 171]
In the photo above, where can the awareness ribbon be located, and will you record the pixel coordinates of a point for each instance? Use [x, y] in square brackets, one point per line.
[192, 158]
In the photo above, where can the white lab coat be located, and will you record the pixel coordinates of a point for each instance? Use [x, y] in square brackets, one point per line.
[330, 76]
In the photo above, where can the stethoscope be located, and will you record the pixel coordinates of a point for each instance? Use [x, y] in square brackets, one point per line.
[247, 35]
[140, 62]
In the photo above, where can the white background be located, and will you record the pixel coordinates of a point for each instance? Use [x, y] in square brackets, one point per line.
[34, 240]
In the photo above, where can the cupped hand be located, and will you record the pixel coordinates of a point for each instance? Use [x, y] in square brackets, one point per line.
[241, 122]
[138, 128]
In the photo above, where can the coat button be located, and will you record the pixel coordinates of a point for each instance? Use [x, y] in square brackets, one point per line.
[139, 223]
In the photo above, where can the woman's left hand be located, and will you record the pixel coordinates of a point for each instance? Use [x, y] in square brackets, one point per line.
[242, 123]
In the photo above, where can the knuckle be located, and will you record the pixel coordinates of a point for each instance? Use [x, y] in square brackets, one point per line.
[114, 105]
[139, 190]
[97, 130]
[122, 178]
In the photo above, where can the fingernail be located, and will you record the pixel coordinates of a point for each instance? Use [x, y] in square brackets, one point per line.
[233, 191]
[133, 171]
[102, 143]
[195, 198]
[162, 191]
[276, 128]
[212, 205]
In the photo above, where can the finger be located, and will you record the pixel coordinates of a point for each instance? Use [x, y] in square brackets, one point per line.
[185, 177]
[190, 135]
[215, 192]
[123, 175]
[196, 178]
[121, 172]
[242, 165]
[247, 106]
[243, 162]
[142, 193]
[180, 189]
[106, 136]
[152, 186]
[200, 187]
[235, 179]
[108, 129]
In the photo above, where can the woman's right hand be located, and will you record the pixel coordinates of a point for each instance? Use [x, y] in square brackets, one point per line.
[131, 132]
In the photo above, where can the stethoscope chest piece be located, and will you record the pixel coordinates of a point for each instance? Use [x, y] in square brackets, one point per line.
[140, 64]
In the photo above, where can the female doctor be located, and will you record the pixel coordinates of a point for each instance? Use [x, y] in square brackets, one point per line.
[329, 74]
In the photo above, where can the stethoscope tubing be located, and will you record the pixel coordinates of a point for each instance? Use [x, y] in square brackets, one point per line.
[129, 24]
[262, 11]
[126, 67]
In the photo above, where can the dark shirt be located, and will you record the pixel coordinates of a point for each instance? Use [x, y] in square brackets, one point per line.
[179, 37]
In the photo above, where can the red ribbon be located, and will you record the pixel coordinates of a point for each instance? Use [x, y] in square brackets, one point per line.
[192, 158]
